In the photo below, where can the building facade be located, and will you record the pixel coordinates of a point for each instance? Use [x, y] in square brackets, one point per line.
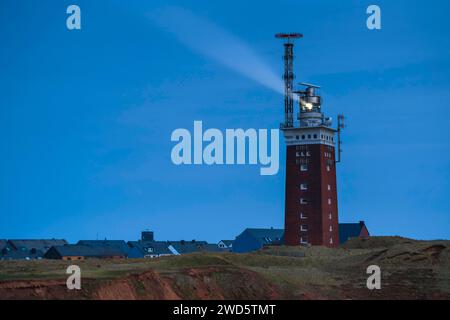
[311, 208]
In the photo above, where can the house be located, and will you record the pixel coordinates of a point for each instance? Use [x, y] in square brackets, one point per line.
[185, 247]
[352, 230]
[118, 244]
[81, 252]
[148, 249]
[29, 245]
[255, 239]
[7, 253]
[213, 247]
[226, 244]
[27, 249]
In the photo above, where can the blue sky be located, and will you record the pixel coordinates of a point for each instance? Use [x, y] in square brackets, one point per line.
[86, 116]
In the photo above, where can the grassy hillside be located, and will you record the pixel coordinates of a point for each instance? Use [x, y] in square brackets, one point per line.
[410, 270]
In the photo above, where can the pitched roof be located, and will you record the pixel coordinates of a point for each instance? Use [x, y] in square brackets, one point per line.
[72, 250]
[227, 242]
[21, 254]
[120, 244]
[157, 247]
[183, 242]
[185, 247]
[349, 230]
[212, 247]
[266, 236]
[38, 244]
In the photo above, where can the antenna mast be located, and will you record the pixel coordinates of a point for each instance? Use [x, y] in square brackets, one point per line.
[288, 76]
[340, 126]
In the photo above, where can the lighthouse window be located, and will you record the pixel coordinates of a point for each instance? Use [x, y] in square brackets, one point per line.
[304, 240]
[315, 136]
[303, 137]
[309, 136]
[308, 154]
[297, 137]
[321, 136]
[303, 216]
[303, 167]
[303, 201]
[304, 227]
[329, 201]
[330, 216]
[329, 188]
[331, 228]
[328, 168]
[303, 186]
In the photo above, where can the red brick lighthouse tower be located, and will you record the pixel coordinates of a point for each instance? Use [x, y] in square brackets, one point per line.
[311, 208]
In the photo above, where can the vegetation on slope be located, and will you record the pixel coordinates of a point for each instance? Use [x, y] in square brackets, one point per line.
[410, 269]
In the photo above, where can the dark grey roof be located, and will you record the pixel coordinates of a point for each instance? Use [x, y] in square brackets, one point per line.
[227, 242]
[38, 244]
[184, 242]
[266, 236]
[72, 250]
[185, 247]
[120, 244]
[212, 247]
[21, 254]
[349, 230]
[151, 247]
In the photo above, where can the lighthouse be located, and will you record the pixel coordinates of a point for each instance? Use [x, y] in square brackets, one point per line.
[311, 202]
